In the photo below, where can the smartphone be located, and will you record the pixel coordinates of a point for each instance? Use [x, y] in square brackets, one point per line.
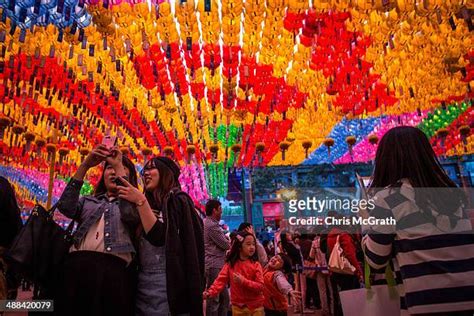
[109, 141]
[118, 181]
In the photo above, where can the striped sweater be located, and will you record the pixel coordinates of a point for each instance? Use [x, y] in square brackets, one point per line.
[433, 262]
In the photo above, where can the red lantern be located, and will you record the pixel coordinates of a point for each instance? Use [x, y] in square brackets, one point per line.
[63, 152]
[190, 150]
[29, 138]
[17, 130]
[464, 131]
[4, 123]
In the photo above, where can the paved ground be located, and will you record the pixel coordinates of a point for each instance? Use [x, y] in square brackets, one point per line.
[307, 312]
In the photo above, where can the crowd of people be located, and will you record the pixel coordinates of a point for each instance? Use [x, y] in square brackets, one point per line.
[148, 252]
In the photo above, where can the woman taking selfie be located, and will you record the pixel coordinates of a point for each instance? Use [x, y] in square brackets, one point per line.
[432, 243]
[171, 247]
[96, 280]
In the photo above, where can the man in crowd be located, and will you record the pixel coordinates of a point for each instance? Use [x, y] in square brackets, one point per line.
[216, 244]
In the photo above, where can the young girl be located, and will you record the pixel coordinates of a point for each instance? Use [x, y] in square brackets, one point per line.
[244, 274]
[277, 287]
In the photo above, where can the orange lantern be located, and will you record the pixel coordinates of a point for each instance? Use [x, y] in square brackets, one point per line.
[29, 138]
[63, 152]
[191, 150]
[17, 130]
[307, 145]
[124, 150]
[329, 142]
[214, 149]
[146, 151]
[351, 140]
[168, 150]
[84, 152]
[284, 145]
[4, 123]
[373, 139]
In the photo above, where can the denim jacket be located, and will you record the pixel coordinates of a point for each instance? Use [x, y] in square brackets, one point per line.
[118, 216]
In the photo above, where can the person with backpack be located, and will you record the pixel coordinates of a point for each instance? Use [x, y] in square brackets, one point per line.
[171, 245]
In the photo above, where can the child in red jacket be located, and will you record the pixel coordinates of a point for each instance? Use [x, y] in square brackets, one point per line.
[277, 287]
[244, 274]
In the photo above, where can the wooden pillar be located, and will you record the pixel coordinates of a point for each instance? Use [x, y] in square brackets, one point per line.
[52, 164]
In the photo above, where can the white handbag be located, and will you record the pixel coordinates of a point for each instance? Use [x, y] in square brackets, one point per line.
[372, 300]
[375, 301]
[338, 263]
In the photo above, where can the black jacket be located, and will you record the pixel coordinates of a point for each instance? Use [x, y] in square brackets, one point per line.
[182, 234]
[10, 218]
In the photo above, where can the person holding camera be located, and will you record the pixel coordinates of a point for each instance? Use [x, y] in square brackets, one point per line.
[96, 279]
[171, 244]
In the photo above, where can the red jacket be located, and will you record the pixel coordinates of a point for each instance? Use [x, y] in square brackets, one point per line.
[250, 292]
[347, 245]
[274, 299]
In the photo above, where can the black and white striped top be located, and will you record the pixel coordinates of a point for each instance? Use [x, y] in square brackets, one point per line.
[433, 261]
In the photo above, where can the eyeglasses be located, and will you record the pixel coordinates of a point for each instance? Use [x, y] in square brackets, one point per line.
[148, 167]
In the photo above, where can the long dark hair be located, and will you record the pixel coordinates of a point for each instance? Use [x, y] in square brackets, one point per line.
[133, 179]
[290, 249]
[405, 152]
[10, 213]
[166, 183]
[234, 254]
[287, 263]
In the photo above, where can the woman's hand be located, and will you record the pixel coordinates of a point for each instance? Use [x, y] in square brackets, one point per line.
[238, 278]
[250, 231]
[96, 156]
[295, 297]
[360, 275]
[115, 157]
[115, 160]
[205, 295]
[128, 192]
